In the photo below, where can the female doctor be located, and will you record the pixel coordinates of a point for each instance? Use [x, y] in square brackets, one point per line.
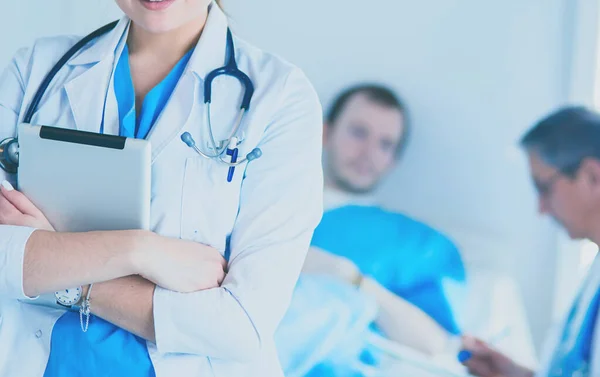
[163, 303]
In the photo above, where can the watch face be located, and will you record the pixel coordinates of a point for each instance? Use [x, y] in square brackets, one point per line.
[68, 297]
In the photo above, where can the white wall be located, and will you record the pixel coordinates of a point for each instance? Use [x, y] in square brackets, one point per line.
[475, 74]
[24, 20]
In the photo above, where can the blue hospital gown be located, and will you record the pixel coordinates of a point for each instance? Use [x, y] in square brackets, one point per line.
[409, 258]
[324, 329]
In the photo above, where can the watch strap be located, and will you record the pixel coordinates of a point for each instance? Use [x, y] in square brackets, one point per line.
[85, 310]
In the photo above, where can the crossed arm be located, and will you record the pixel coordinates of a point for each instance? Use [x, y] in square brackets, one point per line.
[125, 265]
[185, 277]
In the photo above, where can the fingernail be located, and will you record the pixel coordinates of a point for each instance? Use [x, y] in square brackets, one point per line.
[7, 186]
[469, 342]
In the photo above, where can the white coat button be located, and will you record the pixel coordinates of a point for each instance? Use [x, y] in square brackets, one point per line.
[38, 334]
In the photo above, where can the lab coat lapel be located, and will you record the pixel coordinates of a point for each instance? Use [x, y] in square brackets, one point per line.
[89, 106]
[174, 116]
[186, 102]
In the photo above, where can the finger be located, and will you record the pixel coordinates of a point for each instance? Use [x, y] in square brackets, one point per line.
[469, 341]
[7, 186]
[479, 367]
[8, 212]
[222, 261]
[475, 346]
[20, 201]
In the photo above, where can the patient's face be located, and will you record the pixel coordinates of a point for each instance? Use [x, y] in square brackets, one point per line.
[361, 145]
[574, 202]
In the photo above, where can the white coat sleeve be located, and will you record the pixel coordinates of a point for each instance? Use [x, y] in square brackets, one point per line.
[12, 238]
[281, 204]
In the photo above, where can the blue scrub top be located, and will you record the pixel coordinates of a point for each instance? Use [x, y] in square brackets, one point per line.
[407, 257]
[576, 358]
[105, 349]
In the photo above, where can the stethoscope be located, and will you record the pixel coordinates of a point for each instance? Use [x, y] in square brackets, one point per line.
[9, 148]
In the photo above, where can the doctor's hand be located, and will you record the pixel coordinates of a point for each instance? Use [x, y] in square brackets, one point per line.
[180, 265]
[16, 209]
[486, 362]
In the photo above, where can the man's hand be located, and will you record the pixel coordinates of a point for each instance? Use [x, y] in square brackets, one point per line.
[486, 362]
[320, 262]
[180, 265]
[16, 209]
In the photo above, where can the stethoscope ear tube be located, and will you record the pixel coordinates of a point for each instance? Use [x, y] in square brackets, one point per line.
[63, 60]
[9, 148]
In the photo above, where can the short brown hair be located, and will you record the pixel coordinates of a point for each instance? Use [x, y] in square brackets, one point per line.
[376, 93]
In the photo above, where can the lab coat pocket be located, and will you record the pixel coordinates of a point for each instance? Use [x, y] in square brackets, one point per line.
[209, 202]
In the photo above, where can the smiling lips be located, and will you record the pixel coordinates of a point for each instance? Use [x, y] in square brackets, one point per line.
[157, 5]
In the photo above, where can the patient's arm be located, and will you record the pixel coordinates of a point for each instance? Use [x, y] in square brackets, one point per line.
[320, 262]
[405, 323]
[400, 320]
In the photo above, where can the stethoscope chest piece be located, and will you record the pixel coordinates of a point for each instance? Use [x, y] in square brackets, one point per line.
[9, 155]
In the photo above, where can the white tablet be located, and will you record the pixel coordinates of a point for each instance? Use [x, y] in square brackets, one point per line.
[85, 181]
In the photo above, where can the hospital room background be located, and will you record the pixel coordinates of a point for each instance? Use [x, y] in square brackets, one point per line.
[475, 75]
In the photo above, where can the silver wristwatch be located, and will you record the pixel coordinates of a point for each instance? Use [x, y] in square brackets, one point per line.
[68, 297]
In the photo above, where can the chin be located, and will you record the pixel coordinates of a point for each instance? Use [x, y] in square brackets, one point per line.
[361, 188]
[156, 25]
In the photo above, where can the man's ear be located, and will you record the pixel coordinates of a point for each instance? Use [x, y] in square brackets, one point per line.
[590, 168]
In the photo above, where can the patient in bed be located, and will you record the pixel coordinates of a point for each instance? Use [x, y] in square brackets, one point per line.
[369, 269]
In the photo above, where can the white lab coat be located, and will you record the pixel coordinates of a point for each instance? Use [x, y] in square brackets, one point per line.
[270, 209]
[588, 290]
